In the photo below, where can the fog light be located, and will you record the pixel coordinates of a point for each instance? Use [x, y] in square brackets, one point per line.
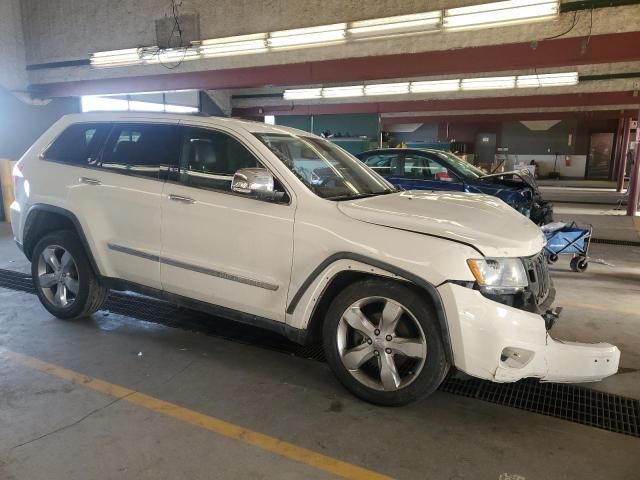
[516, 357]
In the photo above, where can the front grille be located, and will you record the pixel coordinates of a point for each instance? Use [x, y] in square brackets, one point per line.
[539, 280]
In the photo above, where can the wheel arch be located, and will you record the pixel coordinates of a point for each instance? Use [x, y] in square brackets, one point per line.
[347, 276]
[43, 219]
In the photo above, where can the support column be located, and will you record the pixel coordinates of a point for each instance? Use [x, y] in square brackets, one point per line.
[634, 182]
[618, 146]
[623, 154]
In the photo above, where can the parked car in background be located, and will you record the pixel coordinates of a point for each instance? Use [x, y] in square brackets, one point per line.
[222, 215]
[428, 169]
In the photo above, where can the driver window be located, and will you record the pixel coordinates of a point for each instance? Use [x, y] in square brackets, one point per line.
[210, 159]
[424, 168]
[384, 164]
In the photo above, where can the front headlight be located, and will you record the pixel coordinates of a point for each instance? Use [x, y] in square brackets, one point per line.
[499, 275]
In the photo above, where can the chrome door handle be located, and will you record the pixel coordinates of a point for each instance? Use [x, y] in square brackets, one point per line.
[89, 181]
[180, 198]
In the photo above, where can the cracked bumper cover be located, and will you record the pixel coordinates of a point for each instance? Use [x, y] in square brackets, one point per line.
[504, 344]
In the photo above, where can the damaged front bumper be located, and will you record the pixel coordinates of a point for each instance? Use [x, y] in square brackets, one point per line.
[500, 343]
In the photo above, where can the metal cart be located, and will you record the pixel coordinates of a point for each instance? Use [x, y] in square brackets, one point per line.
[568, 239]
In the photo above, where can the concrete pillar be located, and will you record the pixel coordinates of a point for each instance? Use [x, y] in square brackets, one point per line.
[6, 182]
[634, 182]
[618, 146]
[623, 154]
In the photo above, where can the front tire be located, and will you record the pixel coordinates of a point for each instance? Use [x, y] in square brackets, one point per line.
[383, 343]
[64, 280]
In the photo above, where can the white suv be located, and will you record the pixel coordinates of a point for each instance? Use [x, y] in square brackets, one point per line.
[218, 214]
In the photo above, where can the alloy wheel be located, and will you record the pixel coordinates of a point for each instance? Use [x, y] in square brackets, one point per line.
[58, 277]
[381, 343]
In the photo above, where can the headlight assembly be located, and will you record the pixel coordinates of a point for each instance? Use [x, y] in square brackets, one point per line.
[499, 275]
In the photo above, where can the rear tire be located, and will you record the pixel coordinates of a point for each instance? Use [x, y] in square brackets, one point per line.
[579, 264]
[383, 342]
[64, 280]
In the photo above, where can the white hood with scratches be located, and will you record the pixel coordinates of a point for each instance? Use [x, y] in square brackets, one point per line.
[485, 222]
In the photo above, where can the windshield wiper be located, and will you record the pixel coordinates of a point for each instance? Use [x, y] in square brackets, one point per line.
[354, 196]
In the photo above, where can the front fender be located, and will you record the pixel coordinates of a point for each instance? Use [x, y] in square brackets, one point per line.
[303, 304]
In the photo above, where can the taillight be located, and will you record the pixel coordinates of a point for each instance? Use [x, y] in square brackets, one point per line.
[17, 173]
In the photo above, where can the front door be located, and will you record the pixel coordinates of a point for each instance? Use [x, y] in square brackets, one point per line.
[220, 247]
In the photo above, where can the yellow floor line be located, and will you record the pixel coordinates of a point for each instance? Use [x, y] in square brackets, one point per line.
[604, 308]
[230, 430]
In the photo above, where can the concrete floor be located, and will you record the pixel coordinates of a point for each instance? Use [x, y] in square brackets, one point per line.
[54, 429]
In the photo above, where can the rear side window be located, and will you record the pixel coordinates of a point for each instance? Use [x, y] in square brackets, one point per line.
[79, 144]
[211, 158]
[148, 150]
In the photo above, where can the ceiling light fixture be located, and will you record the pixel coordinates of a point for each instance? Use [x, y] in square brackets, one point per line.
[547, 80]
[435, 86]
[476, 16]
[241, 44]
[401, 24]
[499, 14]
[339, 92]
[387, 89]
[307, 36]
[488, 83]
[432, 86]
[303, 93]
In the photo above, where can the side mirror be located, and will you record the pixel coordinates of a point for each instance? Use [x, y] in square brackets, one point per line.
[257, 182]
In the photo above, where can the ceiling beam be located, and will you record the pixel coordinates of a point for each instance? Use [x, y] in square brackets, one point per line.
[533, 101]
[607, 48]
[515, 116]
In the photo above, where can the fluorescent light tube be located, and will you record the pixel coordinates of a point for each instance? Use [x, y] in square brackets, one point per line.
[234, 45]
[338, 92]
[387, 89]
[418, 22]
[547, 80]
[435, 86]
[116, 57]
[302, 93]
[488, 83]
[307, 36]
[499, 13]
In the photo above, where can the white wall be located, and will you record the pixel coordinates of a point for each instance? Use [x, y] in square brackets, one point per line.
[545, 164]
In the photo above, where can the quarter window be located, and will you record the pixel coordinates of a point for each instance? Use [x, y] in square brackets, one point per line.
[147, 150]
[79, 144]
[210, 159]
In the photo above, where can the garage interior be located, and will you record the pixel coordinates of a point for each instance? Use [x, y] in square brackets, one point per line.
[143, 389]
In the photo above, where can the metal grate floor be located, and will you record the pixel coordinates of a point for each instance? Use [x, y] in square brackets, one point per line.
[626, 243]
[576, 404]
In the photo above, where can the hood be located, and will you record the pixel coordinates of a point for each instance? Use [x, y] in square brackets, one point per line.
[485, 222]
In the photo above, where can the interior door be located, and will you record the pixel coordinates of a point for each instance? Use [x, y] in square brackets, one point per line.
[220, 247]
[485, 148]
[599, 158]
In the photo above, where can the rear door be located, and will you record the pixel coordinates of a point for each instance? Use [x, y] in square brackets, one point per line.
[218, 246]
[117, 200]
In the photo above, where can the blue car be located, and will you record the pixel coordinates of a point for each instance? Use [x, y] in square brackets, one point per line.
[427, 169]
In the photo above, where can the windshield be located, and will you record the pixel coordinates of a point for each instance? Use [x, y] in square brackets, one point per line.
[326, 169]
[467, 170]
